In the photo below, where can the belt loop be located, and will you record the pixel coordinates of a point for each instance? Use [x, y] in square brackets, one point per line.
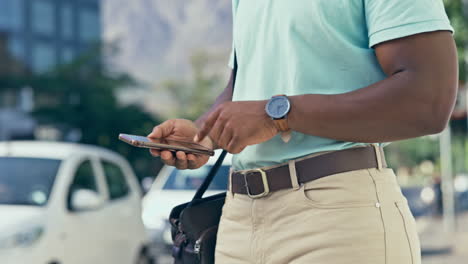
[378, 155]
[231, 171]
[382, 157]
[293, 175]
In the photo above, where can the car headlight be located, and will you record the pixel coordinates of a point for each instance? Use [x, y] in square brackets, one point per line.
[461, 183]
[427, 195]
[23, 238]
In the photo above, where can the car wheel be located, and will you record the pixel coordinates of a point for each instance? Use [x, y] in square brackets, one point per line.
[144, 258]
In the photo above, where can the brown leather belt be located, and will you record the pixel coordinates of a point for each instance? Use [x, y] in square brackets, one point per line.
[258, 183]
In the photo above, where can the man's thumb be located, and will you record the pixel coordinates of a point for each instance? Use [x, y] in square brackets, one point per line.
[163, 130]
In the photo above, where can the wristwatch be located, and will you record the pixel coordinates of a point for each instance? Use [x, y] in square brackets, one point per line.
[278, 108]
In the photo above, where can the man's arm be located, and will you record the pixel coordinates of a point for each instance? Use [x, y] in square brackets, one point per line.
[415, 100]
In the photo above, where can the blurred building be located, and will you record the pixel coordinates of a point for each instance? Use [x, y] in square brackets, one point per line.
[35, 37]
[45, 33]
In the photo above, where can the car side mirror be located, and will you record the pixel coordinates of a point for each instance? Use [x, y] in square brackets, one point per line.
[85, 200]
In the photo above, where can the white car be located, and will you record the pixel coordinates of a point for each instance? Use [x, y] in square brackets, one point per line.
[68, 203]
[171, 188]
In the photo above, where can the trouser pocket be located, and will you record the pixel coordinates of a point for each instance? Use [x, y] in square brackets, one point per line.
[352, 189]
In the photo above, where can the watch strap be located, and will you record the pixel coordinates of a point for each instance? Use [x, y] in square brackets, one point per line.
[281, 124]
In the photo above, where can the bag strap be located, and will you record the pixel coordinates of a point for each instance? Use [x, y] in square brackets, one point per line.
[209, 178]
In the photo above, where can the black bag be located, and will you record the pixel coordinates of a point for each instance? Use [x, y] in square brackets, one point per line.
[195, 224]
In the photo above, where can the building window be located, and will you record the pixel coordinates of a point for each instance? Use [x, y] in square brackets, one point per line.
[90, 25]
[43, 57]
[68, 55]
[66, 18]
[43, 17]
[11, 15]
[16, 47]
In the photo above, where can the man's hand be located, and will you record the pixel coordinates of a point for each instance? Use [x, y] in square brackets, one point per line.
[183, 130]
[236, 125]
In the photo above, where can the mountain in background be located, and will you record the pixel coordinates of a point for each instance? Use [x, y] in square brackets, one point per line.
[156, 38]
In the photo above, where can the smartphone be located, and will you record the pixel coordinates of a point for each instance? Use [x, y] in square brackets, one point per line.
[166, 144]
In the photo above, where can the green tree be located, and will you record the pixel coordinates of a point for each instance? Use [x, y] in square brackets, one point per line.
[193, 97]
[459, 20]
[81, 96]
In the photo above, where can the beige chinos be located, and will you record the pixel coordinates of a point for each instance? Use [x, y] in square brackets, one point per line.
[357, 217]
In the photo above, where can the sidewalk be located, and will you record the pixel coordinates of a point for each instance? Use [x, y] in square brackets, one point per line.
[459, 254]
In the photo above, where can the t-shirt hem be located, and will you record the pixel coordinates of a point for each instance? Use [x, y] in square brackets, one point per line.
[406, 30]
[241, 163]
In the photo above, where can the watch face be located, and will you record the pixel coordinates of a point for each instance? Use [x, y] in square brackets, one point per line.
[278, 107]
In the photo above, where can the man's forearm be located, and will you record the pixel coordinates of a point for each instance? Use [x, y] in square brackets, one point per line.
[225, 96]
[416, 99]
[399, 107]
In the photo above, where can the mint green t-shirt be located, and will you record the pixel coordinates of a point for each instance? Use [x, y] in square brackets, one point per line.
[296, 47]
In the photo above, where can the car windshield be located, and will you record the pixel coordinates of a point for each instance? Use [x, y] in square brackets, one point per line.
[192, 179]
[26, 181]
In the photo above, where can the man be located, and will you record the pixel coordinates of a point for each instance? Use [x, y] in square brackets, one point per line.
[307, 186]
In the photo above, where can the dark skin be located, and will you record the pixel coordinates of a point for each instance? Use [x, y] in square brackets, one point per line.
[415, 99]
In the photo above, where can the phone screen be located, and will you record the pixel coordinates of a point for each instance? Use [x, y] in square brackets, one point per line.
[191, 145]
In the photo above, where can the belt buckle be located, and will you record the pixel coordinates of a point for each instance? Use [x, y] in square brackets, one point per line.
[266, 188]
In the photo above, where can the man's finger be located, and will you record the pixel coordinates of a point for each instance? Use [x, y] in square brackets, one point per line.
[191, 160]
[225, 138]
[207, 126]
[168, 158]
[163, 130]
[216, 131]
[155, 152]
[181, 160]
[234, 147]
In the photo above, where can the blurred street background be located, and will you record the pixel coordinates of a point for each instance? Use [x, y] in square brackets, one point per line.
[76, 73]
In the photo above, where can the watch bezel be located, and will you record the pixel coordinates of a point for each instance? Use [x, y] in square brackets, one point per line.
[285, 113]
